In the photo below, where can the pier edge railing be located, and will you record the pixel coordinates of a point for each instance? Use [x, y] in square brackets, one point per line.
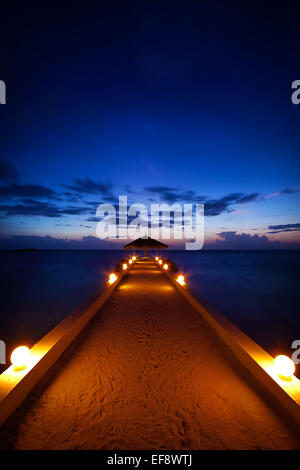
[16, 385]
[257, 363]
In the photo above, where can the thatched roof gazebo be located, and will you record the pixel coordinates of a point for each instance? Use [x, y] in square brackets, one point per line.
[145, 243]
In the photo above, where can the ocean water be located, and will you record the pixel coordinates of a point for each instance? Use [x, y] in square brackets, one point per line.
[257, 290]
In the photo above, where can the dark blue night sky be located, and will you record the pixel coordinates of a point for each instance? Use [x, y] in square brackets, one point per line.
[162, 101]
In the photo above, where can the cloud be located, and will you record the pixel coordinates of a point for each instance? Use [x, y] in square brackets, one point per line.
[160, 189]
[212, 207]
[31, 208]
[51, 243]
[25, 199]
[243, 241]
[169, 194]
[8, 172]
[248, 198]
[88, 186]
[216, 207]
[293, 189]
[93, 219]
[14, 190]
[71, 197]
[289, 190]
[10, 189]
[284, 228]
[75, 210]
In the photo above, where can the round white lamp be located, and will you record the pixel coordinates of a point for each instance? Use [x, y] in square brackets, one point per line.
[284, 367]
[20, 357]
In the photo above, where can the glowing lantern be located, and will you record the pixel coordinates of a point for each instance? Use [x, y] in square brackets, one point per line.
[124, 266]
[284, 367]
[130, 261]
[133, 258]
[156, 258]
[160, 261]
[180, 280]
[165, 266]
[112, 278]
[20, 357]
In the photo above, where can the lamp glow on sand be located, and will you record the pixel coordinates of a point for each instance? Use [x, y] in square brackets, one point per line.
[160, 261]
[156, 258]
[130, 261]
[20, 357]
[284, 367]
[112, 278]
[180, 280]
[125, 266]
[165, 266]
[133, 258]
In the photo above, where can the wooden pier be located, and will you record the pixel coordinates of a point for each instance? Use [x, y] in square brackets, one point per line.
[147, 372]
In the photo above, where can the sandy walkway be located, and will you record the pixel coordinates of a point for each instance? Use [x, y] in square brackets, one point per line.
[145, 374]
